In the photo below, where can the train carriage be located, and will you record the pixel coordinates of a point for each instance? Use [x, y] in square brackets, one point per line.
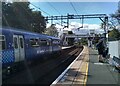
[19, 46]
[55, 44]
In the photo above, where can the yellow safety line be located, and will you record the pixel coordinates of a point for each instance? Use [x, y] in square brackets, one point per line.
[86, 74]
[85, 80]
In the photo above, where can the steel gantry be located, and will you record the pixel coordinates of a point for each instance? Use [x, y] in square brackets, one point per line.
[102, 17]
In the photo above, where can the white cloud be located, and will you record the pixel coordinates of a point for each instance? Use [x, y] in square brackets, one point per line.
[85, 30]
[48, 25]
[94, 26]
[118, 27]
[85, 26]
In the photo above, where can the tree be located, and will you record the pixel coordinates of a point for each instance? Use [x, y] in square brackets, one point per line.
[6, 13]
[52, 31]
[19, 15]
[15, 14]
[38, 22]
[114, 35]
[83, 41]
[117, 14]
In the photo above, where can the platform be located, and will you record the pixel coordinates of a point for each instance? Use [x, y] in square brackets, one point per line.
[86, 70]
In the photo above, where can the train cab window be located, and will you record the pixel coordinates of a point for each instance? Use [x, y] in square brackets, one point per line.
[34, 42]
[2, 42]
[21, 42]
[15, 43]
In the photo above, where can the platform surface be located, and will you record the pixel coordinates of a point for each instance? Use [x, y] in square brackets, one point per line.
[101, 73]
[86, 70]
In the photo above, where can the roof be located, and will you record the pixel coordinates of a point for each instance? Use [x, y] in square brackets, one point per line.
[26, 32]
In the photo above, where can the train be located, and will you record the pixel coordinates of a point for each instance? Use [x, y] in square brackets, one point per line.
[19, 46]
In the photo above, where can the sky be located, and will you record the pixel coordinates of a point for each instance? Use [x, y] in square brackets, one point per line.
[81, 7]
[62, 8]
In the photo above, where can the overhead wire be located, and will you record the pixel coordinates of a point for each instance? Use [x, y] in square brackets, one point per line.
[76, 13]
[73, 7]
[40, 9]
[55, 9]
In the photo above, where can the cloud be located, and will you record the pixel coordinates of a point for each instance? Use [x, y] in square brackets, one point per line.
[85, 30]
[85, 26]
[48, 25]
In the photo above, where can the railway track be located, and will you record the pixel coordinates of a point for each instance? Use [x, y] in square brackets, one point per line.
[58, 69]
[45, 72]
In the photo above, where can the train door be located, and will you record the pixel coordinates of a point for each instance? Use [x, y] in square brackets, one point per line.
[18, 42]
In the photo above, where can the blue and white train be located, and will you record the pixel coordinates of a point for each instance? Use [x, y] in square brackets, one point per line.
[21, 46]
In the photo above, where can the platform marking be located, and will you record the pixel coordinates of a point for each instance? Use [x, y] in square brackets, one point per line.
[58, 79]
[85, 80]
[101, 64]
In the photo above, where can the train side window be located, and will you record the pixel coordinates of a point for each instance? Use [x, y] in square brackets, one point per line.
[15, 43]
[2, 42]
[48, 42]
[43, 42]
[34, 42]
[37, 42]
